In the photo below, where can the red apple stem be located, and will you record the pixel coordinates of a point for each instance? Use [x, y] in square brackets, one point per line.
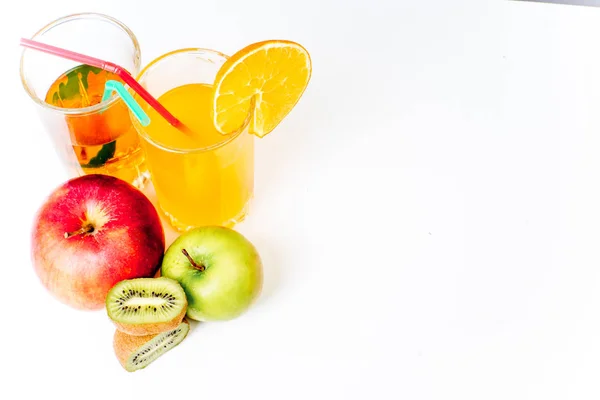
[87, 228]
[199, 267]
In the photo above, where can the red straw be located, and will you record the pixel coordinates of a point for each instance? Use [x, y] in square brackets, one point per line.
[107, 66]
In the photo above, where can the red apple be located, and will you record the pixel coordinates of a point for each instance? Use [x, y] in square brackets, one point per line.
[92, 232]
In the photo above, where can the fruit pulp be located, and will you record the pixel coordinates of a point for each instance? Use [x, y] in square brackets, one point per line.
[274, 73]
[202, 178]
[104, 142]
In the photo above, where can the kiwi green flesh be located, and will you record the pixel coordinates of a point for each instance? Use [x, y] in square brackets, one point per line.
[156, 347]
[145, 300]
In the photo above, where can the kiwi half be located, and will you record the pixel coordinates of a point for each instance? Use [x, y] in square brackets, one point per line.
[146, 306]
[137, 352]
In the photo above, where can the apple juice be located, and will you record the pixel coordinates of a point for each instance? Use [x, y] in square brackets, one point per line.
[104, 141]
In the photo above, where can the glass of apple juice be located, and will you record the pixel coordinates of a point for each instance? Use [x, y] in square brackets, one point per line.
[90, 136]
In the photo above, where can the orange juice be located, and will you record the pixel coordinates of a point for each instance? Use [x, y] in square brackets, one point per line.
[203, 178]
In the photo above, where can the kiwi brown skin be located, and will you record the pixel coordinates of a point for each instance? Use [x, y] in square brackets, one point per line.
[150, 328]
[125, 345]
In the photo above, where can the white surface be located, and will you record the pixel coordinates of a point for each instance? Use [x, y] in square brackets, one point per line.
[428, 215]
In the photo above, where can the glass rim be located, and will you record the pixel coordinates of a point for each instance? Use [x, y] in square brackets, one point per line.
[81, 111]
[226, 138]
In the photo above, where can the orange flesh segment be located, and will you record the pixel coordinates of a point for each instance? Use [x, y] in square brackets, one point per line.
[274, 72]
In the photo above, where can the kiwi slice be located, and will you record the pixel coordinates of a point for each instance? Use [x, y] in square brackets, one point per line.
[146, 306]
[137, 352]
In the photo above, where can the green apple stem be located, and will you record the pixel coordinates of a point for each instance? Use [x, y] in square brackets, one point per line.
[199, 267]
[87, 228]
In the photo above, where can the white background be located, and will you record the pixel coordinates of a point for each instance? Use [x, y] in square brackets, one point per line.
[575, 2]
[428, 215]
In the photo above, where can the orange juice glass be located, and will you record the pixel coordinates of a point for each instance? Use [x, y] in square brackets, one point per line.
[203, 177]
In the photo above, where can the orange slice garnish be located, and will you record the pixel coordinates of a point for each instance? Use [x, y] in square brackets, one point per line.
[275, 73]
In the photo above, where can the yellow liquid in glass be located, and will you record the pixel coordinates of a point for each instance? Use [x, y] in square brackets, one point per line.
[200, 179]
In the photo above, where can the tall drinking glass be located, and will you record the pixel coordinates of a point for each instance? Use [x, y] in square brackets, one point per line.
[89, 136]
[202, 178]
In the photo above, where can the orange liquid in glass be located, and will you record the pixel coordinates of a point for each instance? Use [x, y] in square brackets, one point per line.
[103, 142]
[201, 179]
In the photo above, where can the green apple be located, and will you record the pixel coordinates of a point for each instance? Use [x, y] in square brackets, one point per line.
[219, 269]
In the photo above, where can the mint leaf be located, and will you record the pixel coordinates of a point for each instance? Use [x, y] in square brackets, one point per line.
[71, 88]
[106, 153]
